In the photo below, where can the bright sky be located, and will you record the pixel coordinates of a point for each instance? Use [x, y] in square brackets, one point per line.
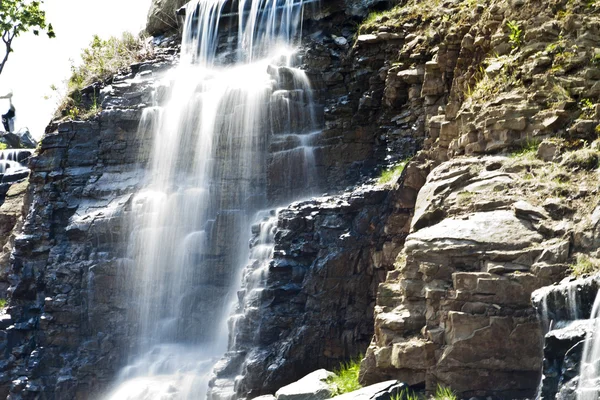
[39, 62]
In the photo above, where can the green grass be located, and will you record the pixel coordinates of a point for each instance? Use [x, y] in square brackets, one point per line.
[406, 395]
[441, 393]
[346, 379]
[444, 393]
[3, 303]
[526, 150]
[390, 174]
[3, 146]
[584, 266]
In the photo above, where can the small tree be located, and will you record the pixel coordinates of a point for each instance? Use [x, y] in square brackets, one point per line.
[18, 16]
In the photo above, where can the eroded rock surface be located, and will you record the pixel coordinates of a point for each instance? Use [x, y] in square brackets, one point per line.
[457, 310]
[314, 310]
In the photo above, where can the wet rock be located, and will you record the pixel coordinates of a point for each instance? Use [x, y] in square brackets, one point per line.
[336, 248]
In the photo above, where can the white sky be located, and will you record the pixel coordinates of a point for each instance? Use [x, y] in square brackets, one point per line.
[39, 62]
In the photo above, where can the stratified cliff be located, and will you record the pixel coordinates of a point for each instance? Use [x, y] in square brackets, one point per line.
[429, 275]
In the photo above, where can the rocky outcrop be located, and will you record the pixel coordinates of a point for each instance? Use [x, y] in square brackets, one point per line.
[314, 308]
[456, 312]
[162, 17]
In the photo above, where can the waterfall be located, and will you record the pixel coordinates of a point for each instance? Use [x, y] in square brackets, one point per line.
[588, 387]
[207, 179]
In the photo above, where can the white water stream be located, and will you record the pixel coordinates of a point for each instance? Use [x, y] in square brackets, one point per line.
[589, 375]
[206, 179]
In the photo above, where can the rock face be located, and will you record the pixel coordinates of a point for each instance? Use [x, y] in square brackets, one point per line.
[457, 310]
[454, 308]
[314, 307]
[66, 333]
[162, 16]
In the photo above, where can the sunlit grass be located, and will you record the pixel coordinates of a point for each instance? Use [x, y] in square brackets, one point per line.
[390, 174]
[346, 379]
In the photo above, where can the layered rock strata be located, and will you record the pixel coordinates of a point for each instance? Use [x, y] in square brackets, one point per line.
[314, 307]
[456, 312]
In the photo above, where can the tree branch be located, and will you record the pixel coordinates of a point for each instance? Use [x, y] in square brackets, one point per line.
[8, 41]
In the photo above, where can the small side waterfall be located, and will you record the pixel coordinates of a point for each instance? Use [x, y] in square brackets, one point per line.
[207, 178]
[570, 314]
[589, 375]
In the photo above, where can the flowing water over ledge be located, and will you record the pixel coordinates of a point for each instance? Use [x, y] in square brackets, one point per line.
[206, 181]
[571, 318]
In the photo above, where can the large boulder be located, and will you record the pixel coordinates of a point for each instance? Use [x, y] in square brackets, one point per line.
[162, 17]
[313, 386]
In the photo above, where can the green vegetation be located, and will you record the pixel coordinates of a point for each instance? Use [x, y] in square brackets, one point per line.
[346, 379]
[389, 175]
[3, 303]
[3, 146]
[527, 150]
[441, 393]
[496, 74]
[585, 266]
[444, 393]
[18, 16]
[411, 12]
[99, 62]
[406, 395]
[584, 159]
[515, 35]
[464, 197]
[587, 109]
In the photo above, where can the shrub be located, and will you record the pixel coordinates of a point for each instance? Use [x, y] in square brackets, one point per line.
[441, 393]
[515, 35]
[99, 62]
[346, 379]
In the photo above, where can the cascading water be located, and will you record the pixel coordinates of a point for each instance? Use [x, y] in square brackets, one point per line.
[589, 375]
[207, 178]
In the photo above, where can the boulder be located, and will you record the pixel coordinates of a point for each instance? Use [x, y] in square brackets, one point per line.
[313, 386]
[379, 391]
[162, 17]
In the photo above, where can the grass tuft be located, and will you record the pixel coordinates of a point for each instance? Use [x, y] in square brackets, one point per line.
[527, 150]
[346, 379]
[584, 266]
[3, 303]
[390, 174]
[444, 393]
[441, 393]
